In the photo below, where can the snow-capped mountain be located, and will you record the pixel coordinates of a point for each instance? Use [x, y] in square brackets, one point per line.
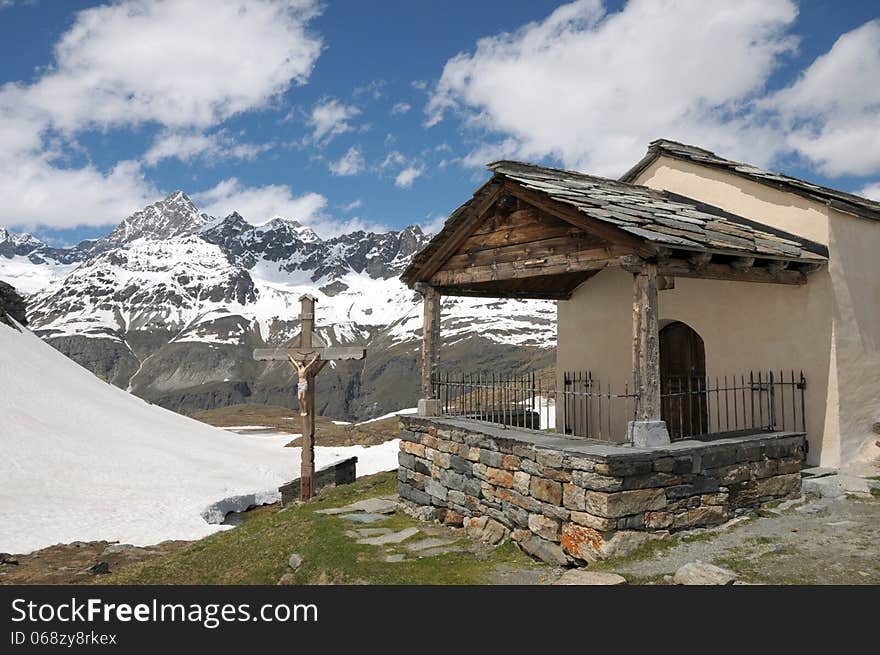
[172, 302]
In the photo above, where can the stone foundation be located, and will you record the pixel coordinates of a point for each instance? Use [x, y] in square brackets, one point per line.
[571, 501]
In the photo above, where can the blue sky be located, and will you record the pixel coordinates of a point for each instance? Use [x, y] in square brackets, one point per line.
[383, 114]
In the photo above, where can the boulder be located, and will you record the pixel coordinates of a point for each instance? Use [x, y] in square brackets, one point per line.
[99, 568]
[294, 561]
[700, 573]
[590, 578]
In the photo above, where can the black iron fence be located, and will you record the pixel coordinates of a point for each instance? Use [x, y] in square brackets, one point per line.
[757, 400]
[693, 407]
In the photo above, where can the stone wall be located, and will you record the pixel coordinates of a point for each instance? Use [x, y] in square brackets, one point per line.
[569, 501]
[332, 475]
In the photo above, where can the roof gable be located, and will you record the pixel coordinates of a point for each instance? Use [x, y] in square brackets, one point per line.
[840, 200]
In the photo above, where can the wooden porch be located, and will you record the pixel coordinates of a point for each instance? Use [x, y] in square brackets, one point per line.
[535, 232]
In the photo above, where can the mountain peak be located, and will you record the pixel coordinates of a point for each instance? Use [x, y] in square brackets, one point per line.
[174, 215]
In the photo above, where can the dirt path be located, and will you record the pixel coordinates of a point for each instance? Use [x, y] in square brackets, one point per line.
[820, 542]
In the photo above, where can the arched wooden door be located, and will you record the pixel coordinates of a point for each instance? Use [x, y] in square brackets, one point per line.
[683, 381]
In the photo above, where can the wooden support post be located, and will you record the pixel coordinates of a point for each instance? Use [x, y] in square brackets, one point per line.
[429, 405]
[647, 429]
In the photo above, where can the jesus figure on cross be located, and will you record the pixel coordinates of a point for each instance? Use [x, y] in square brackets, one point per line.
[302, 388]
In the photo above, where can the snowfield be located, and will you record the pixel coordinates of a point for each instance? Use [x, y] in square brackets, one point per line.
[84, 460]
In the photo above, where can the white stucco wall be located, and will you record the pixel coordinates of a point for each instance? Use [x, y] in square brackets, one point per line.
[744, 326]
[831, 326]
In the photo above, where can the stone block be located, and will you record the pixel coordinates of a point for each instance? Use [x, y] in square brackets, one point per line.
[406, 460]
[517, 515]
[411, 493]
[624, 466]
[499, 477]
[473, 454]
[545, 527]
[435, 489]
[480, 471]
[700, 517]
[581, 542]
[491, 458]
[413, 448]
[555, 512]
[511, 462]
[583, 577]
[577, 463]
[421, 466]
[596, 482]
[647, 434]
[429, 407]
[789, 465]
[664, 464]
[521, 481]
[549, 491]
[780, 485]
[658, 520]
[573, 496]
[550, 458]
[460, 465]
[410, 435]
[651, 480]
[622, 503]
[442, 459]
[763, 468]
[592, 521]
[632, 522]
[447, 446]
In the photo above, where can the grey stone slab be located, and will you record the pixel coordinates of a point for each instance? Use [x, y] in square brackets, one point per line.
[364, 518]
[424, 544]
[440, 550]
[392, 538]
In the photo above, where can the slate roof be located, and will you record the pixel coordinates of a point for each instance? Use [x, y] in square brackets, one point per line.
[840, 200]
[660, 217]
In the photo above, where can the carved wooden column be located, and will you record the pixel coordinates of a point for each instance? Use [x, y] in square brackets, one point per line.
[429, 404]
[647, 429]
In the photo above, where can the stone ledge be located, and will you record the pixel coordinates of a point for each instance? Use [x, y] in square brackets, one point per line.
[576, 501]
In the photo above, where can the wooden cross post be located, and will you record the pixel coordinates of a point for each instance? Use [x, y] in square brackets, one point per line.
[308, 355]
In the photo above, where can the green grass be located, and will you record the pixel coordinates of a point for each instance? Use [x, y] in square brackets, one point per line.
[257, 551]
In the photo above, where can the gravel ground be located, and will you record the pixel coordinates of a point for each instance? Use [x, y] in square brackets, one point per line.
[825, 541]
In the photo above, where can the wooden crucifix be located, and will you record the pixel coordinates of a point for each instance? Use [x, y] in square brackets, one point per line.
[308, 355]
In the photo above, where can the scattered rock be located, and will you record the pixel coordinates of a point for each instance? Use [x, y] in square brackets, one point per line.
[367, 532]
[294, 561]
[700, 573]
[99, 568]
[393, 538]
[6, 558]
[398, 557]
[483, 528]
[544, 550]
[119, 549]
[834, 486]
[591, 578]
[287, 579]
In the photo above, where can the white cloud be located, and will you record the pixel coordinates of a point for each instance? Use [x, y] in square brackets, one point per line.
[832, 111]
[351, 163]
[407, 176]
[330, 118]
[354, 204]
[259, 203]
[187, 146]
[871, 191]
[36, 193]
[400, 108]
[592, 88]
[184, 65]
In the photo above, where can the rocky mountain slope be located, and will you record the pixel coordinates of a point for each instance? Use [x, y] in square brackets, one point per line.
[171, 304]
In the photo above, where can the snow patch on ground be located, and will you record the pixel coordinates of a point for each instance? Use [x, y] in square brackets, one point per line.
[84, 460]
[408, 410]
